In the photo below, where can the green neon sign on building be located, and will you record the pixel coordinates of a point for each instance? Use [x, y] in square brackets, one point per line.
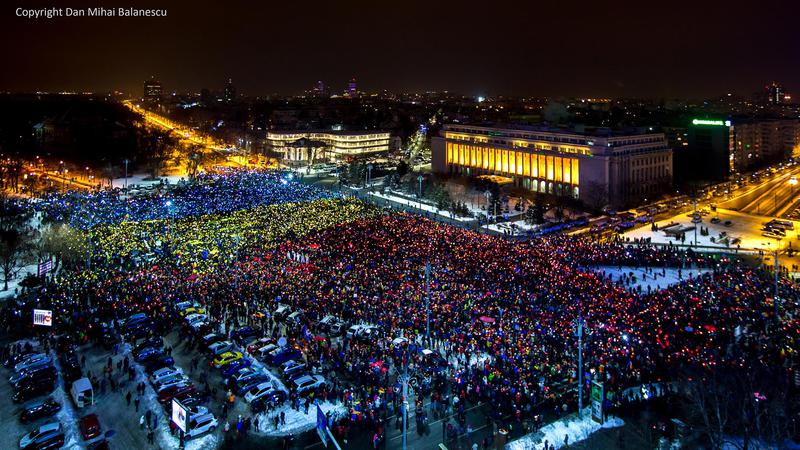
[712, 122]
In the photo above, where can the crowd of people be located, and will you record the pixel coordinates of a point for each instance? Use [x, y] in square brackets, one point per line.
[502, 314]
[219, 191]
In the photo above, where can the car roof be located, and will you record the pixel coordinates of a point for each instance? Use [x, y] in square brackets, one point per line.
[50, 426]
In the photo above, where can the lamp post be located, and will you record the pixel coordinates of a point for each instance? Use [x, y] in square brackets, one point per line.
[420, 178]
[87, 173]
[369, 174]
[428, 301]
[126, 174]
[578, 328]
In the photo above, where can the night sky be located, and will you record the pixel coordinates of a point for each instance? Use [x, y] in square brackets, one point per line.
[606, 48]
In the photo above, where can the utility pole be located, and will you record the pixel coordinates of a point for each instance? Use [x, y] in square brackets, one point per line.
[405, 402]
[777, 267]
[693, 218]
[578, 327]
[428, 301]
[126, 175]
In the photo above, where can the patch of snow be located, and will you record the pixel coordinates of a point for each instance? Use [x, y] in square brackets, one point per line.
[297, 421]
[554, 433]
[423, 206]
[659, 278]
[138, 180]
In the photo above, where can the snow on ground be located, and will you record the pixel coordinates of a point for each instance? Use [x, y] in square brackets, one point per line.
[419, 205]
[659, 278]
[14, 284]
[573, 427]
[746, 227]
[139, 180]
[298, 421]
[163, 437]
[67, 415]
[522, 226]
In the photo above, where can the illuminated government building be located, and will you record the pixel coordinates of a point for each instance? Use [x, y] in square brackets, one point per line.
[322, 146]
[595, 167]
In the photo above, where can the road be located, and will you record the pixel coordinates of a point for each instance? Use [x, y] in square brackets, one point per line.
[776, 196]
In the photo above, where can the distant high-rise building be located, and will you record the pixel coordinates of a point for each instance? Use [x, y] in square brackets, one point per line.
[152, 90]
[319, 90]
[230, 92]
[775, 94]
[352, 88]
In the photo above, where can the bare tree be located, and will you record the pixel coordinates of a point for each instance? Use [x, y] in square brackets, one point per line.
[15, 244]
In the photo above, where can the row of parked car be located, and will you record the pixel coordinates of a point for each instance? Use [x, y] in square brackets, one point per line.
[168, 381]
[34, 379]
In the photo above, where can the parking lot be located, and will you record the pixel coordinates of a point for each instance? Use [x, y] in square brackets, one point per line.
[133, 411]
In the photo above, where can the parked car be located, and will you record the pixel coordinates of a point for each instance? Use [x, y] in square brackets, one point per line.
[165, 397]
[171, 381]
[32, 372]
[433, 361]
[154, 341]
[292, 366]
[219, 348]
[154, 364]
[282, 312]
[90, 427]
[250, 383]
[19, 357]
[194, 412]
[260, 343]
[164, 372]
[263, 353]
[30, 391]
[37, 359]
[146, 354]
[201, 424]
[304, 385]
[235, 366]
[210, 339]
[42, 376]
[244, 333]
[362, 332]
[226, 358]
[280, 356]
[264, 391]
[46, 407]
[245, 374]
[47, 435]
[70, 367]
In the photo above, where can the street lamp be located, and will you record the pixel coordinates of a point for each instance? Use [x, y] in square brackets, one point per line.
[369, 174]
[87, 173]
[420, 178]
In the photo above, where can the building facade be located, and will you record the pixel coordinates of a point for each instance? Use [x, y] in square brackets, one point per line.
[756, 143]
[326, 146]
[152, 90]
[597, 169]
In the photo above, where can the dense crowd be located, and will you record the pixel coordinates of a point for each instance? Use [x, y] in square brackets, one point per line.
[224, 190]
[502, 313]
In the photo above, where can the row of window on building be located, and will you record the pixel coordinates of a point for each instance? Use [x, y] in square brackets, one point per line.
[547, 167]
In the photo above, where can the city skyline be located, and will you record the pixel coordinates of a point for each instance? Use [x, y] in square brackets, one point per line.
[624, 50]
